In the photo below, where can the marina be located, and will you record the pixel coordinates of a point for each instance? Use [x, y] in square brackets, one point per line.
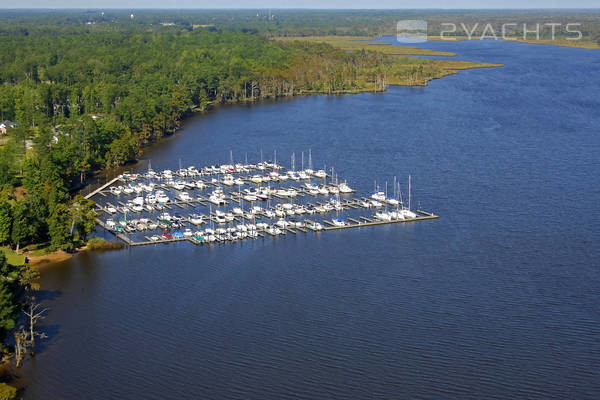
[231, 202]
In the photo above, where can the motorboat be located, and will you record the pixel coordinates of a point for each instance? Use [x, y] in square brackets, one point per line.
[200, 185]
[303, 175]
[161, 197]
[165, 217]
[376, 204]
[255, 210]
[269, 213]
[338, 222]
[282, 223]
[273, 230]
[228, 180]
[314, 226]
[237, 211]
[320, 174]
[297, 223]
[262, 225]
[408, 214]
[196, 219]
[216, 199]
[178, 185]
[383, 216]
[379, 196]
[184, 196]
[344, 188]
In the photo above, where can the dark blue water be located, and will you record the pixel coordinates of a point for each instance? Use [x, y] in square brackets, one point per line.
[499, 298]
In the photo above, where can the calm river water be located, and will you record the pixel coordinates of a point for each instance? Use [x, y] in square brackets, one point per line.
[499, 298]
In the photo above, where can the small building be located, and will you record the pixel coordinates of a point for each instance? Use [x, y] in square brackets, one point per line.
[4, 125]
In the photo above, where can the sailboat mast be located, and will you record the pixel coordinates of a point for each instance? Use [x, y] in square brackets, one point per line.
[409, 190]
[293, 161]
[302, 161]
[386, 197]
[400, 193]
[309, 160]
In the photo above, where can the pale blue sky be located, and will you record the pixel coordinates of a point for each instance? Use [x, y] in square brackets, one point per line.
[344, 4]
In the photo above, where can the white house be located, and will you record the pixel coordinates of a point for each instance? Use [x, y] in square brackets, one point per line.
[4, 125]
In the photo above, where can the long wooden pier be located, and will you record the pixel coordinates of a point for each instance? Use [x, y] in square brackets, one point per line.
[423, 216]
[101, 188]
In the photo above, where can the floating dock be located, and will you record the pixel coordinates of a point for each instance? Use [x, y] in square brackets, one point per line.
[300, 223]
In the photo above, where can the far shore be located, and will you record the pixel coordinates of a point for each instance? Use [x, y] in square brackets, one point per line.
[577, 44]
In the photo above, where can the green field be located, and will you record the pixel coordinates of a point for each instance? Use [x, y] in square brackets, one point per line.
[12, 257]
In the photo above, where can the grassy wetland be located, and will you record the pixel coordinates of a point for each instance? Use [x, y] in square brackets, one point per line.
[395, 69]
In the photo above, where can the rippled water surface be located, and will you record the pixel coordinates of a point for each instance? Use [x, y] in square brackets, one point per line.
[499, 298]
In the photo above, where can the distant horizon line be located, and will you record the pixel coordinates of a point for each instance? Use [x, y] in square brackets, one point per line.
[301, 8]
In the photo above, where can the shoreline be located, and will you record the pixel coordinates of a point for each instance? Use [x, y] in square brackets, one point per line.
[42, 261]
[574, 44]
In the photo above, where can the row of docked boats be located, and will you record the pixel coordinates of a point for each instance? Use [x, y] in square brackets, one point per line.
[210, 235]
[263, 171]
[228, 180]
